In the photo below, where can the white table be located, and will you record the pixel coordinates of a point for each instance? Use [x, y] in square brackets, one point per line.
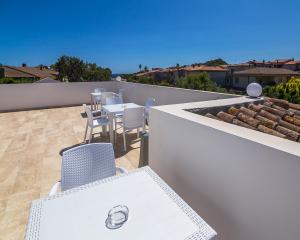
[155, 212]
[93, 102]
[112, 111]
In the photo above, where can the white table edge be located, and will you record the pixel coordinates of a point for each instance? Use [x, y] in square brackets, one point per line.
[205, 232]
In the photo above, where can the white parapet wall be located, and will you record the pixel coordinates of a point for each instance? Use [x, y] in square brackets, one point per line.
[40, 95]
[138, 93]
[244, 183]
[43, 95]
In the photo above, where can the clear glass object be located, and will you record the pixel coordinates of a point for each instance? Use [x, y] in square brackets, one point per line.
[117, 216]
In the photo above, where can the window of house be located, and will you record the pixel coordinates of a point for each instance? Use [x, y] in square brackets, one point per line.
[236, 80]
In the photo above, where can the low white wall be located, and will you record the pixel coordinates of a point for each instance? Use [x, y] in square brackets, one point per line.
[39, 95]
[244, 183]
[138, 93]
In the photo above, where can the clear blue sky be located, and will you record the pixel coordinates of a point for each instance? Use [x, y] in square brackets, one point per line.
[122, 34]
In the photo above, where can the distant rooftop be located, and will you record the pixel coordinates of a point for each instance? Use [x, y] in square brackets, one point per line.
[267, 71]
[28, 72]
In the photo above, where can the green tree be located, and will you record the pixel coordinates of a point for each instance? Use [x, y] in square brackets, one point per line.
[289, 90]
[146, 69]
[215, 62]
[73, 69]
[140, 67]
[199, 82]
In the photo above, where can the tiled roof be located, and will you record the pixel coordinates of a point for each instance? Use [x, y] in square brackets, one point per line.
[281, 61]
[205, 68]
[276, 117]
[292, 63]
[28, 72]
[267, 71]
[13, 73]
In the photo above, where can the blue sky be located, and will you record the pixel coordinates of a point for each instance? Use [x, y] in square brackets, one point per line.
[123, 34]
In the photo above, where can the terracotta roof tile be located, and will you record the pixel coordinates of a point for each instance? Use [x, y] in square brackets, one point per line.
[289, 133]
[225, 116]
[292, 120]
[249, 120]
[242, 124]
[248, 112]
[233, 111]
[269, 115]
[267, 130]
[266, 122]
[289, 125]
[275, 117]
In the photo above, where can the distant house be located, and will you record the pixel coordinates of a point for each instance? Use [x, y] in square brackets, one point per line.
[262, 75]
[292, 65]
[35, 73]
[216, 73]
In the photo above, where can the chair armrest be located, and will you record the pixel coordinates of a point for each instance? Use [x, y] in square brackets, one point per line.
[102, 116]
[56, 188]
[121, 170]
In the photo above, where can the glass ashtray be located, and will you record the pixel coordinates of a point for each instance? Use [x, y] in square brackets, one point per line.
[117, 216]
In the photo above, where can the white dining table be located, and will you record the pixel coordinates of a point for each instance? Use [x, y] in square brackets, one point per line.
[155, 212]
[112, 111]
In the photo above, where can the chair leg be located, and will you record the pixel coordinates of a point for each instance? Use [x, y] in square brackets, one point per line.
[124, 139]
[116, 131]
[86, 129]
[104, 130]
[91, 134]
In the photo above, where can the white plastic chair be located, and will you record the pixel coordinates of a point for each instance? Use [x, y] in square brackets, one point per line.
[106, 95]
[93, 122]
[133, 118]
[97, 99]
[150, 102]
[96, 90]
[84, 164]
[113, 100]
[93, 111]
[121, 95]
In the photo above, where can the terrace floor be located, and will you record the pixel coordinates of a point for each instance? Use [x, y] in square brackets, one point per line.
[30, 147]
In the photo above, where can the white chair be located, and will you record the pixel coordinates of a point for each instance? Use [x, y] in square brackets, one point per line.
[84, 164]
[133, 118]
[93, 122]
[94, 112]
[150, 102]
[121, 95]
[106, 95]
[97, 90]
[97, 99]
[113, 100]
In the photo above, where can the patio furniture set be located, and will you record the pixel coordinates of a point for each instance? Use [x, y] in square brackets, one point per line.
[97, 200]
[114, 113]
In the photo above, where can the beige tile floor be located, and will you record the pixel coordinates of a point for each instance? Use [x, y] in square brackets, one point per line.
[30, 143]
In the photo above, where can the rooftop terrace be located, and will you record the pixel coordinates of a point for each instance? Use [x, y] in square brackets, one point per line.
[30, 147]
[243, 182]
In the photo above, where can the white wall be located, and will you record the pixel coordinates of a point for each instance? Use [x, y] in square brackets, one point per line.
[244, 183]
[38, 95]
[138, 93]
